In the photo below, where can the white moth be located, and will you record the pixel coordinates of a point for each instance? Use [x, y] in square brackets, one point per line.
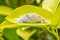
[31, 17]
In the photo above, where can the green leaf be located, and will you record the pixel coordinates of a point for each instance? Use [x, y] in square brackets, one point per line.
[4, 11]
[28, 9]
[2, 18]
[50, 5]
[25, 33]
[10, 34]
[56, 17]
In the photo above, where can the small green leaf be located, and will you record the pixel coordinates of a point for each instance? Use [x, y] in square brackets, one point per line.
[25, 34]
[10, 34]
